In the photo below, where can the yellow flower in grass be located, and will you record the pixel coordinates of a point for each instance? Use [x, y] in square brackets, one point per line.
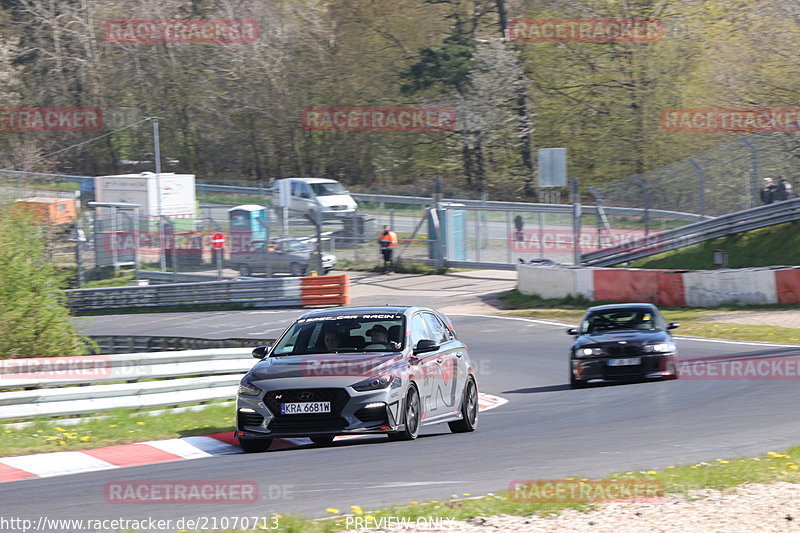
[8, 431]
[670, 466]
[62, 442]
[59, 429]
[85, 438]
[652, 472]
[332, 510]
[114, 426]
[723, 461]
[356, 509]
[139, 423]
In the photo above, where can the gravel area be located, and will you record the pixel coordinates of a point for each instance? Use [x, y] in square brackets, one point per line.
[787, 318]
[750, 508]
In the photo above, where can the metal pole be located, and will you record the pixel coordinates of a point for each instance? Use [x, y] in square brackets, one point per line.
[511, 241]
[753, 186]
[157, 157]
[219, 254]
[701, 188]
[135, 243]
[541, 235]
[576, 222]
[646, 202]
[114, 239]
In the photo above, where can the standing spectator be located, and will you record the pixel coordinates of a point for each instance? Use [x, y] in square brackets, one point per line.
[783, 190]
[519, 224]
[768, 191]
[388, 241]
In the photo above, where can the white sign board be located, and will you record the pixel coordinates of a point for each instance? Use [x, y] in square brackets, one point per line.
[552, 167]
[175, 192]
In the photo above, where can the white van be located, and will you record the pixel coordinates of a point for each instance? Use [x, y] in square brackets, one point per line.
[303, 195]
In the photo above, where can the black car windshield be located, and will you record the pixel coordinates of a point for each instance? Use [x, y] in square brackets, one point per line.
[619, 319]
[328, 188]
[363, 332]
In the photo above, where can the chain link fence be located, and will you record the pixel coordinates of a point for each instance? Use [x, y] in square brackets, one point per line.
[721, 180]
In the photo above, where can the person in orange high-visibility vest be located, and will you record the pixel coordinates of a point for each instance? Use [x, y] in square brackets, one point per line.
[388, 241]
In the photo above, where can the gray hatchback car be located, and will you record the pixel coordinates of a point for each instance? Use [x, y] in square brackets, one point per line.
[293, 256]
[358, 371]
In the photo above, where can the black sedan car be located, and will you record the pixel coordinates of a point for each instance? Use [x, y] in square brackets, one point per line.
[622, 342]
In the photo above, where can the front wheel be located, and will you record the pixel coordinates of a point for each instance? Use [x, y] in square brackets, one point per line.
[576, 383]
[469, 410]
[297, 270]
[255, 445]
[411, 417]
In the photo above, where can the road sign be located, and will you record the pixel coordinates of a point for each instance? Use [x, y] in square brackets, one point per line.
[218, 240]
[552, 167]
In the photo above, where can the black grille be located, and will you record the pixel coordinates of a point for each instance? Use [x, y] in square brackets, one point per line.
[622, 350]
[249, 419]
[337, 397]
[302, 423]
[376, 414]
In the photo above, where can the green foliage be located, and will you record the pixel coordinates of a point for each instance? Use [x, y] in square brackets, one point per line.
[775, 245]
[448, 64]
[33, 318]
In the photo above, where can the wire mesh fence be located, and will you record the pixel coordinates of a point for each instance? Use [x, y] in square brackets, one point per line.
[721, 180]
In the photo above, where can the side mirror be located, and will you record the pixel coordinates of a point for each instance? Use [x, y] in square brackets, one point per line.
[260, 352]
[572, 331]
[425, 346]
[673, 325]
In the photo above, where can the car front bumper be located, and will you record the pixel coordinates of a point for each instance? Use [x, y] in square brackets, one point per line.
[598, 368]
[260, 417]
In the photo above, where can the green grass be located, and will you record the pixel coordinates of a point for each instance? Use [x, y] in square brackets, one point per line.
[116, 427]
[720, 474]
[694, 322]
[775, 245]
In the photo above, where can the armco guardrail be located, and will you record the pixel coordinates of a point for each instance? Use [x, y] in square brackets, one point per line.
[108, 344]
[252, 293]
[156, 277]
[750, 219]
[191, 376]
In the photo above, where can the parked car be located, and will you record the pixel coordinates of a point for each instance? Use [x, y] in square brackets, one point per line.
[293, 256]
[622, 342]
[306, 195]
[358, 371]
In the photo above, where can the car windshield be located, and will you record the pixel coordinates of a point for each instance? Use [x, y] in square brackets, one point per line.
[619, 319]
[369, 332]
[294, 246]
[328, 188]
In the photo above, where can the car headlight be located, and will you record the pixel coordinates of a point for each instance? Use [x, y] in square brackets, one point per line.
[248, 389]
[661, 347]
[589, 352]
[376, 383]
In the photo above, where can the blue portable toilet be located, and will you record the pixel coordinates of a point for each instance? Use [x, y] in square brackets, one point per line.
[248, 223]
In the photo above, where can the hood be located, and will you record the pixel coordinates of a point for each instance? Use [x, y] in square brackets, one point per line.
[637, 337]
[336, 199]
[332, 366]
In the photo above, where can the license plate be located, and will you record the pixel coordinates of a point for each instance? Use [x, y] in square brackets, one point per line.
[625, 362]
[303, 408]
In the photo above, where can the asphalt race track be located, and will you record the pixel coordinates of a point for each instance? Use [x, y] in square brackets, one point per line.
[545, 431]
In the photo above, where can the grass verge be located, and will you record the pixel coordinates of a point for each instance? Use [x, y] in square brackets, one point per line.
[694, 322]
[116, 427]
[718, 474]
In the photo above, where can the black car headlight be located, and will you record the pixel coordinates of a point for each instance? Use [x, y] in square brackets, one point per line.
[376, 383]
[248, 389]
[660, 347]
[589, 352]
